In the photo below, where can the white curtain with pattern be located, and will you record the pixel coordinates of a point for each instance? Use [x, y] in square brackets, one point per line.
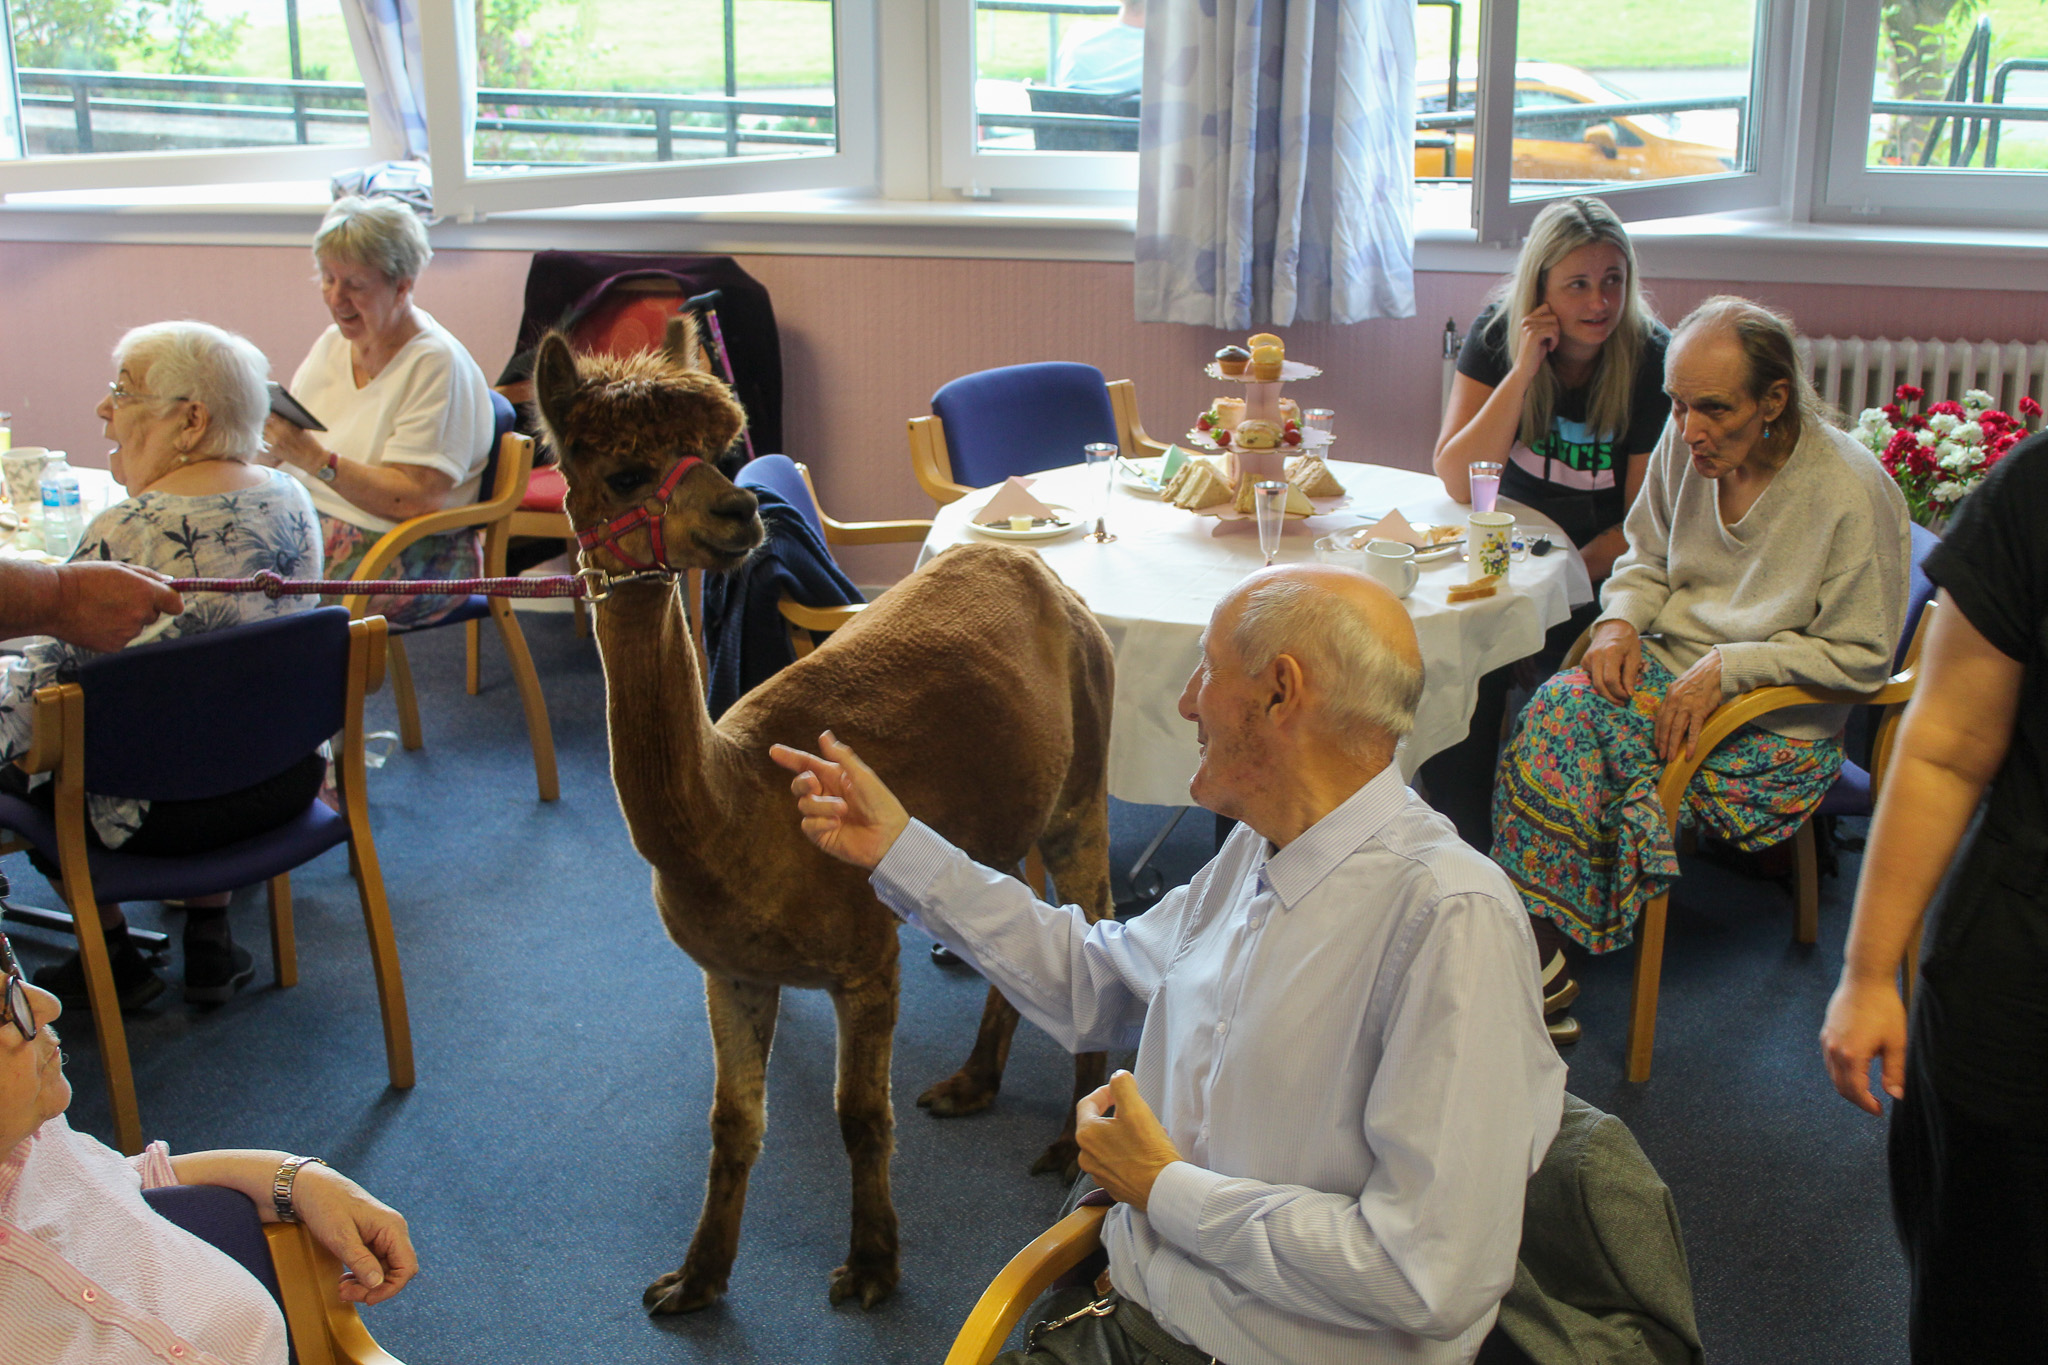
[1276, 162]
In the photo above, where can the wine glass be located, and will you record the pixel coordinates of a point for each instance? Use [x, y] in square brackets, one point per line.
[1269, 504]
[1103, 454]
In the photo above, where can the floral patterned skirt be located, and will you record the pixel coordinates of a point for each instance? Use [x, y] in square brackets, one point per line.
[457, 554]
[1576, 821]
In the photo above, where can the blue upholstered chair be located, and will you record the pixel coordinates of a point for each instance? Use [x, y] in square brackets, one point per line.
[187, 720]
[503, 486]
[791, 481]
[1020, 419]
[300, 1274]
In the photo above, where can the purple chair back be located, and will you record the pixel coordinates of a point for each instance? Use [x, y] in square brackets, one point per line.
[1023, 418]
[204, 715]
[225, 1219]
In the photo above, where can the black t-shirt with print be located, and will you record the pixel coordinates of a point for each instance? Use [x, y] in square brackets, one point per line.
[1583, 513]
[1984, 1018]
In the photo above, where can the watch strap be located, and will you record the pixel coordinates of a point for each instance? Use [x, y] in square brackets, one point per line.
[281, 1186]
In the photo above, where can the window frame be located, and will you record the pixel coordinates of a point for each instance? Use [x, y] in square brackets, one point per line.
[1500, 215]
[1851, 191]
[976, 174]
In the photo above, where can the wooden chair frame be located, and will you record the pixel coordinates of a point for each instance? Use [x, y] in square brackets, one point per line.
[802, 619]
[933, 465]
[58, 746]
[1017, 1286]
[325, 1329]
[1726, 719]
[495, 516]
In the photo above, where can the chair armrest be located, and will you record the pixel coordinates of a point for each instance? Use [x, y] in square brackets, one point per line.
[46, 735]
[874, 532]
[324, 1329]
[1123, 400]
[1017, 1286]
[930, 462]
[818, 618]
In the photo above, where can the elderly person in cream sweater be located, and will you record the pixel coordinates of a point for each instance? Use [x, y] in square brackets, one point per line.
[1766, 547]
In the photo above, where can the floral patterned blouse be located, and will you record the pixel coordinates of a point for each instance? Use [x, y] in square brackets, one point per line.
[218, 535]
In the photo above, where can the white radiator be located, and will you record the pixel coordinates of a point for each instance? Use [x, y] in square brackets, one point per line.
[1854, 373]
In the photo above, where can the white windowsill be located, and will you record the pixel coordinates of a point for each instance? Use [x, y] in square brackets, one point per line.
[1736, 247]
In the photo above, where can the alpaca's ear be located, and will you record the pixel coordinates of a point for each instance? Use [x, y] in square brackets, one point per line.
[554, 384]
[718, 420]
[679, 343]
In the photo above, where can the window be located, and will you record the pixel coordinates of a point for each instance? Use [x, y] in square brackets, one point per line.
[1039, 95]
[1943, 119]
[132, 80]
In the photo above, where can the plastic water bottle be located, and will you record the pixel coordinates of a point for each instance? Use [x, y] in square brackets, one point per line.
[63, 517]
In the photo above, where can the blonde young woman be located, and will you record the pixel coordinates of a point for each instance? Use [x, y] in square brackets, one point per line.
[1561, 381]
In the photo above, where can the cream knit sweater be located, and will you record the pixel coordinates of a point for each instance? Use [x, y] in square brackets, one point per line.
[1809, 587]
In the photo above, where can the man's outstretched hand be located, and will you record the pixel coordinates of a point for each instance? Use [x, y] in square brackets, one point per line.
[1127, 1150]
[95, 605]
[847, 810]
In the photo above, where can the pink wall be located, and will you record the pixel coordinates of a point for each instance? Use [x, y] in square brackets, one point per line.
[865, 341]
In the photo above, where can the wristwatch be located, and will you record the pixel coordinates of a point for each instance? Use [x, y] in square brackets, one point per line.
[325, 473]
[281, 1186]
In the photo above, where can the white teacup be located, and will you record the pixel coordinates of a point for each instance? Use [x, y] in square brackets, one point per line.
[1393, 564]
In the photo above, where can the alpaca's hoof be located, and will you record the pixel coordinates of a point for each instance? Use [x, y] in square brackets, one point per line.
[681, 1291]
[1063, 1156]
[959, 1094]
[870, 1282]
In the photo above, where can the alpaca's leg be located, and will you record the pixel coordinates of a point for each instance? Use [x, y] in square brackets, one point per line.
[1076, 844]
[973, 1087]
[742, 1030]
[867, 1025]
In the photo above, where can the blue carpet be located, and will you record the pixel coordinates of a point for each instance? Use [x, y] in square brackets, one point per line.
[551, 1158]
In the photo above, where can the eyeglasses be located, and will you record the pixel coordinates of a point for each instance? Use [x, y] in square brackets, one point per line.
[15, 1003]
[123, 397]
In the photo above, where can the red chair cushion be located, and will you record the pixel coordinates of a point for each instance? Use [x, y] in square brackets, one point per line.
[545, 490]
[626, 323]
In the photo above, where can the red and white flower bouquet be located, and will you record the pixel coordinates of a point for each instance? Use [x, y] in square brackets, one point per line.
[1940, 454]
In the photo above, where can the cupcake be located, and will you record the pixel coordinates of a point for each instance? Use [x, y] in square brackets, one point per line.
[1231, 360]
[1266, 363]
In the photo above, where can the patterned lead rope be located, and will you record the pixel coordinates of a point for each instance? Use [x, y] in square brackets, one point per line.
[591, 585]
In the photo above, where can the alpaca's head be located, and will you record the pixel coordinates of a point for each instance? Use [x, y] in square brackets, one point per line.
[621, 426]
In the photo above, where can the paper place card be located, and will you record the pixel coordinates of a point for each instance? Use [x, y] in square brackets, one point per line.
[1013, 499]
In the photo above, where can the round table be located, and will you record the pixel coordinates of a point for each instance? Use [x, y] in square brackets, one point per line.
[1154, 587]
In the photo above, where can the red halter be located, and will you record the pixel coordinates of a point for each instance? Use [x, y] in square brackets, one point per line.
[648, 513]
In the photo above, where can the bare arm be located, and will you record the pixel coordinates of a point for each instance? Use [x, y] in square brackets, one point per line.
[1480, 422]
[367, 1235]
[1956, 732]
[392, 491]
[99, 606]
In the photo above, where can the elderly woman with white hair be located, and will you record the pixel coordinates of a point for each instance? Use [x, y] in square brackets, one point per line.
[185, 413]
[407, 411]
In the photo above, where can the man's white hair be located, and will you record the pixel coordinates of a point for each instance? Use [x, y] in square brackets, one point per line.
[1370, 689]
[196, 360]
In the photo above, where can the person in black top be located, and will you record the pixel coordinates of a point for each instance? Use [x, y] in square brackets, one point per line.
[1969, 1134]
[1560, 380]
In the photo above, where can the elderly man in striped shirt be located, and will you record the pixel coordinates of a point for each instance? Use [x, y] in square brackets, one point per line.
[1343, 1081]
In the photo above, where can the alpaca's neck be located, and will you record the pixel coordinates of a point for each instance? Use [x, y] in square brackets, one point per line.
[677, 776]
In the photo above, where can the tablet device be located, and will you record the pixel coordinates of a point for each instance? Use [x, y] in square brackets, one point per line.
[289, 408]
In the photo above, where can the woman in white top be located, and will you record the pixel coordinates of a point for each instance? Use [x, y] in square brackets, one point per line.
[407, 411]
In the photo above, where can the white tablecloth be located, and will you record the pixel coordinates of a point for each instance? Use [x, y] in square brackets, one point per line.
[1153, 590]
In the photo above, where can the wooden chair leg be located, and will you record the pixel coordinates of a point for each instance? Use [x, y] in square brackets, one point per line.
[531, 699]
[1642, 1019]
[383, 956]
[401, 688]
[472, 638]
[284, 942]
[107, 1027]
[582, 613]
[1806, 885]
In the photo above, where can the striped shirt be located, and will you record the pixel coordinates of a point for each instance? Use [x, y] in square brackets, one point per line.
[1344, 1040]
[91, 1275]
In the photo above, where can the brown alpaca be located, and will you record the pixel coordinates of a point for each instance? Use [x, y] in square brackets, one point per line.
[979, 688]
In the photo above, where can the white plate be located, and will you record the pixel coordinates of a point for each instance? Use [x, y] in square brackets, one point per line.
[1440, 552]
[1145, 481]
[1290, 370]
[1067, 522]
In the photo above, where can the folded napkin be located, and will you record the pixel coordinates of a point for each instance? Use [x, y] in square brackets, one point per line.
[1013, 499]
[1396, 526]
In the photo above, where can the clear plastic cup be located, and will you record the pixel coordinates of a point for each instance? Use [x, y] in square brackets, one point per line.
[1485, 476]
